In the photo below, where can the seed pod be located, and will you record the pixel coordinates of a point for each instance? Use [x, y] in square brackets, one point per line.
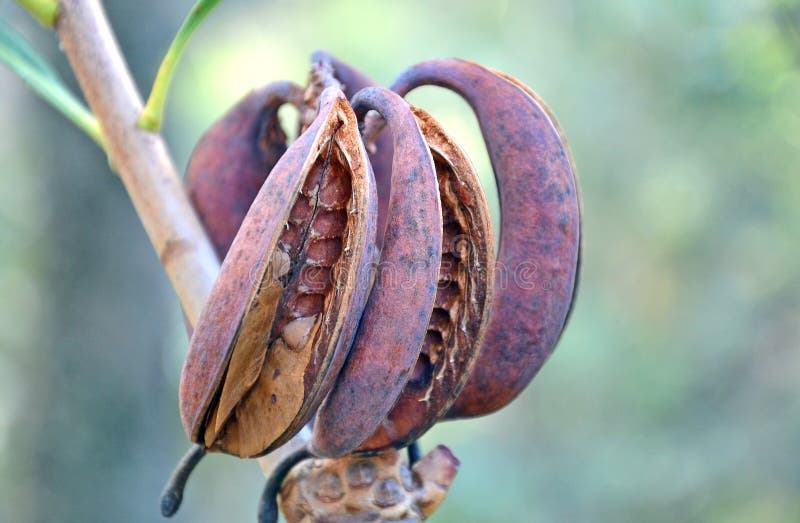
[533, 94]
[233, 158]
[285, 306]
[379, 148]
[463, 297]
[537, 264]
[396, 316]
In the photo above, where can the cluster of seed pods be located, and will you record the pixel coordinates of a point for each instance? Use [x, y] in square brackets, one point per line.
[359, 292]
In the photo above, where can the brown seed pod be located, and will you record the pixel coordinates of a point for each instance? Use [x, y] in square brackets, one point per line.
[379, 148]
[463, 297]
[286, 304]
[396, 316]
[530, 92]
[233, 158]
[537, 264]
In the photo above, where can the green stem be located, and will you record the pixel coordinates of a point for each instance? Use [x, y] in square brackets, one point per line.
[153, 113]
[22, 60]
[45, 11]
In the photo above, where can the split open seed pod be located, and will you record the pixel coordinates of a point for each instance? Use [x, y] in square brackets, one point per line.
[540, 235]
[396, 315]
[291, 289]
[379, 148]
[463, 297]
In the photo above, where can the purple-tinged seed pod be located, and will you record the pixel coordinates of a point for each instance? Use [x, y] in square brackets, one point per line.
[540, 237]
[399, 306]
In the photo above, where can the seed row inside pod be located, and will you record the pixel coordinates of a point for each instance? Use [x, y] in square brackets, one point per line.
[463, 297]
[395, 319]
[540, 234]
[284, 308]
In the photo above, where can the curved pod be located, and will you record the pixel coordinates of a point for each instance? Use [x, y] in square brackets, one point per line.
[537, 263]
[233, 158]
[463, 297]
[399, 306]
[286, 303]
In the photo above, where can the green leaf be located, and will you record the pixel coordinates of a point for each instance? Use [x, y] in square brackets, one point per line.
[23, 60]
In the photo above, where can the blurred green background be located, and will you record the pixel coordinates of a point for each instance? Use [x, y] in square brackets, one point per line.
[674, 395]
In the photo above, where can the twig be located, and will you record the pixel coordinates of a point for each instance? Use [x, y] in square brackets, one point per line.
[140, 157]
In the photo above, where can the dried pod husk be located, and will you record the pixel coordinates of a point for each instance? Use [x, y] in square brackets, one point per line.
[233, 158]
[379, 148]
[537, 263]
[396, 315]
[286, 304]
[463, 297]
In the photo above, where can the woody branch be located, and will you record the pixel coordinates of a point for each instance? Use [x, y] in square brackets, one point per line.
[140, 157]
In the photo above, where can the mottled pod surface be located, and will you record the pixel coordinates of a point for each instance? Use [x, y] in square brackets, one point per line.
[463, 297]
[396, 315]
[537, 263]
[233, 158]
[286, 304]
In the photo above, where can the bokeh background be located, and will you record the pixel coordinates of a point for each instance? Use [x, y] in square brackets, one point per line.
[674, 395]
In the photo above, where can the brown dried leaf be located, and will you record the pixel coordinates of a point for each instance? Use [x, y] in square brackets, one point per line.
[251, 346]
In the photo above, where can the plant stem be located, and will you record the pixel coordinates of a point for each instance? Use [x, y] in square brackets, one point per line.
[153, 114]
[45, 11]
[140, 157]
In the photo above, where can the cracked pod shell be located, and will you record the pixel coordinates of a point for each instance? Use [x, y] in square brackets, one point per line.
[399, 306]
[463, 297]
[540, 235]
[380, 149]
[286, 304]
